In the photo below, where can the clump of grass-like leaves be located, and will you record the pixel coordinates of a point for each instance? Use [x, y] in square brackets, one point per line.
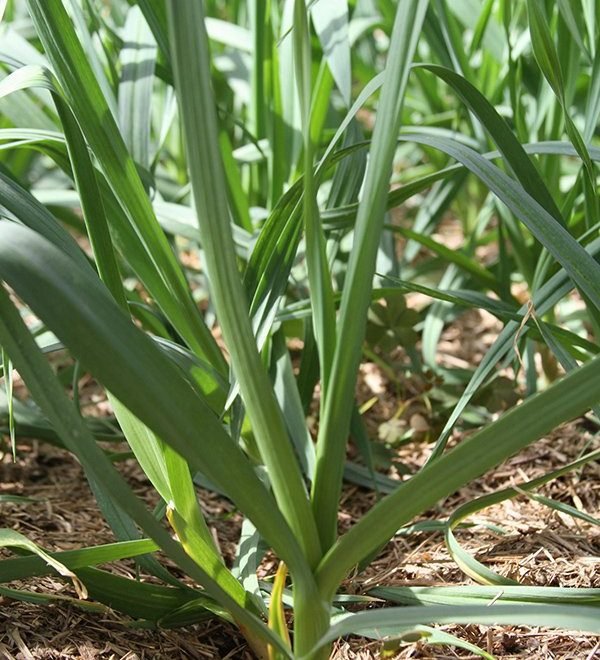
[231, 130]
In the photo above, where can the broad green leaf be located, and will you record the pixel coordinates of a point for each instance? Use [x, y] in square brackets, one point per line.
[581, 267]
[155, 14]
[547, 56]
[137, 58]
[249, 554]
[260, 47]
[571, 396]
[335, 420]
[574, 22]
[286, 390]
[228, 34]
[289, 106]
[49, 394]
[192, 75]
[143, 600]
[24, 567]
[472, 595]
[389, 621]
[93, 326]
[25, 207]
[543, 46]
[319, 276]
[500, 132]
[98, 232]
[88, 104]
[79, 21]
[9, 538]
[86, 184]
[184, 514]
[331, 25]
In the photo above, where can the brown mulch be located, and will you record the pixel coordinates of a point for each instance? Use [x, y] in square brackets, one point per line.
[539, 546]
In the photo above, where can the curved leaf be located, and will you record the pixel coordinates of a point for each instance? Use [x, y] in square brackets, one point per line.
[92, 325]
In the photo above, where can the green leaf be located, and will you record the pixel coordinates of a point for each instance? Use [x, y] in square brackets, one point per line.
[319, 276]
[543, 300]
[357, 288]
[17, 499]
[503, 311]
[543, 47]
[562, 507]
[192, 75]
[286, 391]
[38, 598]
[548, 60]
[430, 636]
[88, 104]
[331, 25]
[389, 621]
[584, 270]
[592, 109]
[472, 595]
[571, 396]
[24, 567]
[137, 58]
[7, 377]
[48, 392]
[92, 325]
[507, 143]
[9, 538]
[24, 206]
[156, 16]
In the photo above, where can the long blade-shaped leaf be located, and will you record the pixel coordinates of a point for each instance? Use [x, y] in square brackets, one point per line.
[23, 567]
[508, 144]
[48, 392]
[9, 538]
[138, 59]
[471, 595]
[584, 270]
[395, 619]
[93, 327]
[571, 396]
[88, 104]
[319, 277]
[356, 298]
[148, 449]
[192, 73]
[331, 24]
